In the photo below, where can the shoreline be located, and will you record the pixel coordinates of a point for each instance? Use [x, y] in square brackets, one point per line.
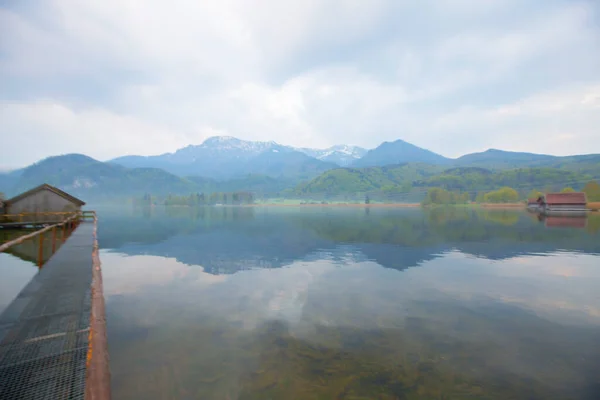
[376, 205]
[592, 207]
[508, 206]
[501, 205]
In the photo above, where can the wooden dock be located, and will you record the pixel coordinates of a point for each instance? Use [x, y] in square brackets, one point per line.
[52, 336]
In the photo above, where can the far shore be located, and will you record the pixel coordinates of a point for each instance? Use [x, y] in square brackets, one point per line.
[592, 206]
[354, 205]
[511, 206]
[503, 205]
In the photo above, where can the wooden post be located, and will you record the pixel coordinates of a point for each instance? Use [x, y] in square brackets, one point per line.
[41, 250]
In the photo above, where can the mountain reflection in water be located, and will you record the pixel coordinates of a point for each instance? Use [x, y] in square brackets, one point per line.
[299, 303]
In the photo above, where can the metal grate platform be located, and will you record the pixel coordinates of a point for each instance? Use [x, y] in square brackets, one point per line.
[44, 331]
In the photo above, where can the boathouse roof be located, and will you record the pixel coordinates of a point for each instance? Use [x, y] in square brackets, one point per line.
[45, 186]
[574, 198]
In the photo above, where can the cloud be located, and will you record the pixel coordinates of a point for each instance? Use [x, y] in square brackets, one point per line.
[563, 121]
[46, 128]
[452, 75]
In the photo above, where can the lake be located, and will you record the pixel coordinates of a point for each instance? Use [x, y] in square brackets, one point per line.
[350, 303]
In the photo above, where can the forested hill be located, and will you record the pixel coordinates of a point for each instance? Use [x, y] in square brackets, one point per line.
[353, 180]
[503, 160]
[475, 179]
[407, 177]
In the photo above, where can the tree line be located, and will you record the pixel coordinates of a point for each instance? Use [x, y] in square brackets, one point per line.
[442, 196]
[435, 195]
[438, 195]
[199, 199]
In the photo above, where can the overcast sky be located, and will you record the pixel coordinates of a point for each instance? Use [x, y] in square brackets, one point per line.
[113, 77]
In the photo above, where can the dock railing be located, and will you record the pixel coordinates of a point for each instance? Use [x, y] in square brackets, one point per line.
[58, 231]
[65, 228]
[38, 217]
[88, 214]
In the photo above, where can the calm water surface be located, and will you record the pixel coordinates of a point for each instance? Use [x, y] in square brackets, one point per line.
[19, 264]
[326, 303]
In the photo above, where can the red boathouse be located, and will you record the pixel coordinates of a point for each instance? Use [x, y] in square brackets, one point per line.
[575, 201]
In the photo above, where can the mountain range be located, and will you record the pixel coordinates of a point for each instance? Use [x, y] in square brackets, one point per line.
[225, 157]
[230, 164]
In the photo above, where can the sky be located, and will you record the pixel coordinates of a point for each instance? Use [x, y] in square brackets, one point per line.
[113, 77]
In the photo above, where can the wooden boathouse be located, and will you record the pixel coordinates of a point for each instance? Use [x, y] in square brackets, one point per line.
[43, 198]
[559, 203]
[575, 201]
[41, 205]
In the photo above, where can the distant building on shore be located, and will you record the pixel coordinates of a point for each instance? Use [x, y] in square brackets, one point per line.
[575, 201]
[559, 202]
[42, 199]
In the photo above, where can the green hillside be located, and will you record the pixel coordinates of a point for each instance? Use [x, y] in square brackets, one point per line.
[478, 179]
[419, 177]
[504, 160]
[584, 164]
[353, 180]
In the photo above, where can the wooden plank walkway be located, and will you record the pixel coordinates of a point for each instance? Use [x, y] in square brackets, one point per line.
[44, 332]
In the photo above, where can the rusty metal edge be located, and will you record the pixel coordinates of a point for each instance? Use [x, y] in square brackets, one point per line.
[97, 385]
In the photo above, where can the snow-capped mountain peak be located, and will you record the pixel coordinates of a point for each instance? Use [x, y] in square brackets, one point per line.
[354, 151]
[217, 140]
[339, 154]
[226, 143]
